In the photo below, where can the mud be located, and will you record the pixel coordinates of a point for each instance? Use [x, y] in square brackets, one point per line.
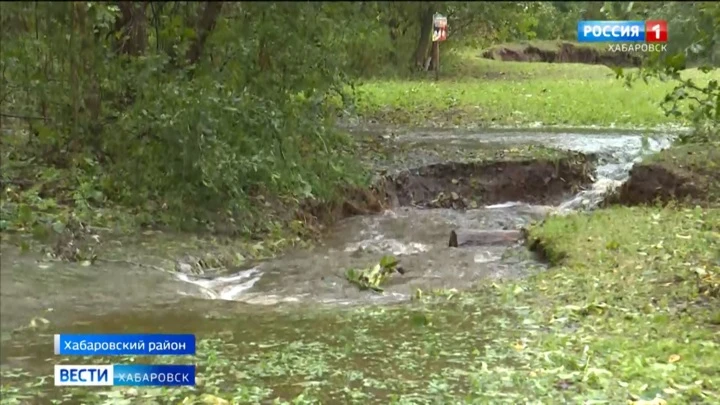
[467, 185]
[655, 183]
[317, 215]
[564, 53]
[460, 185]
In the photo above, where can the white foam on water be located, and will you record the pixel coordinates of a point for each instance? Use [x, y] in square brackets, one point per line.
[504, 205]
[268, 299]
[592, 197]
[485, 257]
[379, 245]
[227, 288]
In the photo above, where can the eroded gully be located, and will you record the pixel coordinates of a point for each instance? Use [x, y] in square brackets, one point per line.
[118, 297]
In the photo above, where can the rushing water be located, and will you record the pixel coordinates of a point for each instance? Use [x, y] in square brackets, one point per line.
[74, 297]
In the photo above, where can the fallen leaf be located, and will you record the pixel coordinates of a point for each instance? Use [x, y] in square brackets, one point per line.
[213, 400]
[654, 401]
[674, 358]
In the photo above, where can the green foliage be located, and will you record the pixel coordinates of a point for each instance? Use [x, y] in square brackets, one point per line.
[372, 278]
[190, 114]
[138, 122]
[693, 40]
[700, 44]
[198, 113]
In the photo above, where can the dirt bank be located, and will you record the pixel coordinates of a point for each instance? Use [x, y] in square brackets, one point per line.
[564, 52]
[462, 185]
[655, 183]
[687, 174]
[466, 185]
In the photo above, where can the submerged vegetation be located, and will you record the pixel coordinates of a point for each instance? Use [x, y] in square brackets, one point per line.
[221, 117]
[373, 277]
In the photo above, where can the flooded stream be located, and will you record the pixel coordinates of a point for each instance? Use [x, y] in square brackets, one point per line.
[119, 297]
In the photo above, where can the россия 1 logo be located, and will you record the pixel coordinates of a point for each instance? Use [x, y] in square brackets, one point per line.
[623, 31]
[633, 35]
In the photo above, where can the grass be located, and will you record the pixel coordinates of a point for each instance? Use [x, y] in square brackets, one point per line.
[477, 91]
[382, 154]
[466, 65]
[701, 162]
[693, 157]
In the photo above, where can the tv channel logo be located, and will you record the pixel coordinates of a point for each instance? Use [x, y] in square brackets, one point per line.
[654, 31]
[137, 375]
[83, 376]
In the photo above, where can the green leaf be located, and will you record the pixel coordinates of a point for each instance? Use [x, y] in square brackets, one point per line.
[25, 214]
[676, 62]
[388, 262]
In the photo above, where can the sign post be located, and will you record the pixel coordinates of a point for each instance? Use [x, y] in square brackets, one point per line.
[439, 34]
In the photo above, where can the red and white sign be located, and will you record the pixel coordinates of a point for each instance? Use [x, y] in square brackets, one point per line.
[656, 31]
[439, 28]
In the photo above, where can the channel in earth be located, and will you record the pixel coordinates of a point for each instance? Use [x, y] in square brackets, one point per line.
[72, 297]
[419, 236]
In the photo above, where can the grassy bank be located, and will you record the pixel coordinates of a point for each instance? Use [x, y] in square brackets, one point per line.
[477, 91]
[544, 45]
[699, 162]
[80, 193]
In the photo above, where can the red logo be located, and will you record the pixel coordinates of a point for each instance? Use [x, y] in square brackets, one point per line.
[656, 31]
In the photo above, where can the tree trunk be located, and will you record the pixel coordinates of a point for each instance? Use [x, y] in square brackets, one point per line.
[426, 26]
[435, 59]
[204, 27]
[133, 26]
[393, 28]
[592, 11]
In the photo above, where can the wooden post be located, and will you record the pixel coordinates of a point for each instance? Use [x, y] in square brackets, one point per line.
[439, 33]
[436, 58]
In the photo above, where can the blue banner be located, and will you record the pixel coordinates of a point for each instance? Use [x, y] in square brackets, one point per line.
[149, 375]
[138, 375]
[611, 31]
[125, 345]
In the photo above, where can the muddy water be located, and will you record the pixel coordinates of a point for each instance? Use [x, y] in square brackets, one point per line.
[73, 297]
[419, 238]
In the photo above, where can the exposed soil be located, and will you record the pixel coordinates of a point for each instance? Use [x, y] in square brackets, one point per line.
[564, 53]
[465, 185]
[357, 201]
[461, 185]
[652, 183]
